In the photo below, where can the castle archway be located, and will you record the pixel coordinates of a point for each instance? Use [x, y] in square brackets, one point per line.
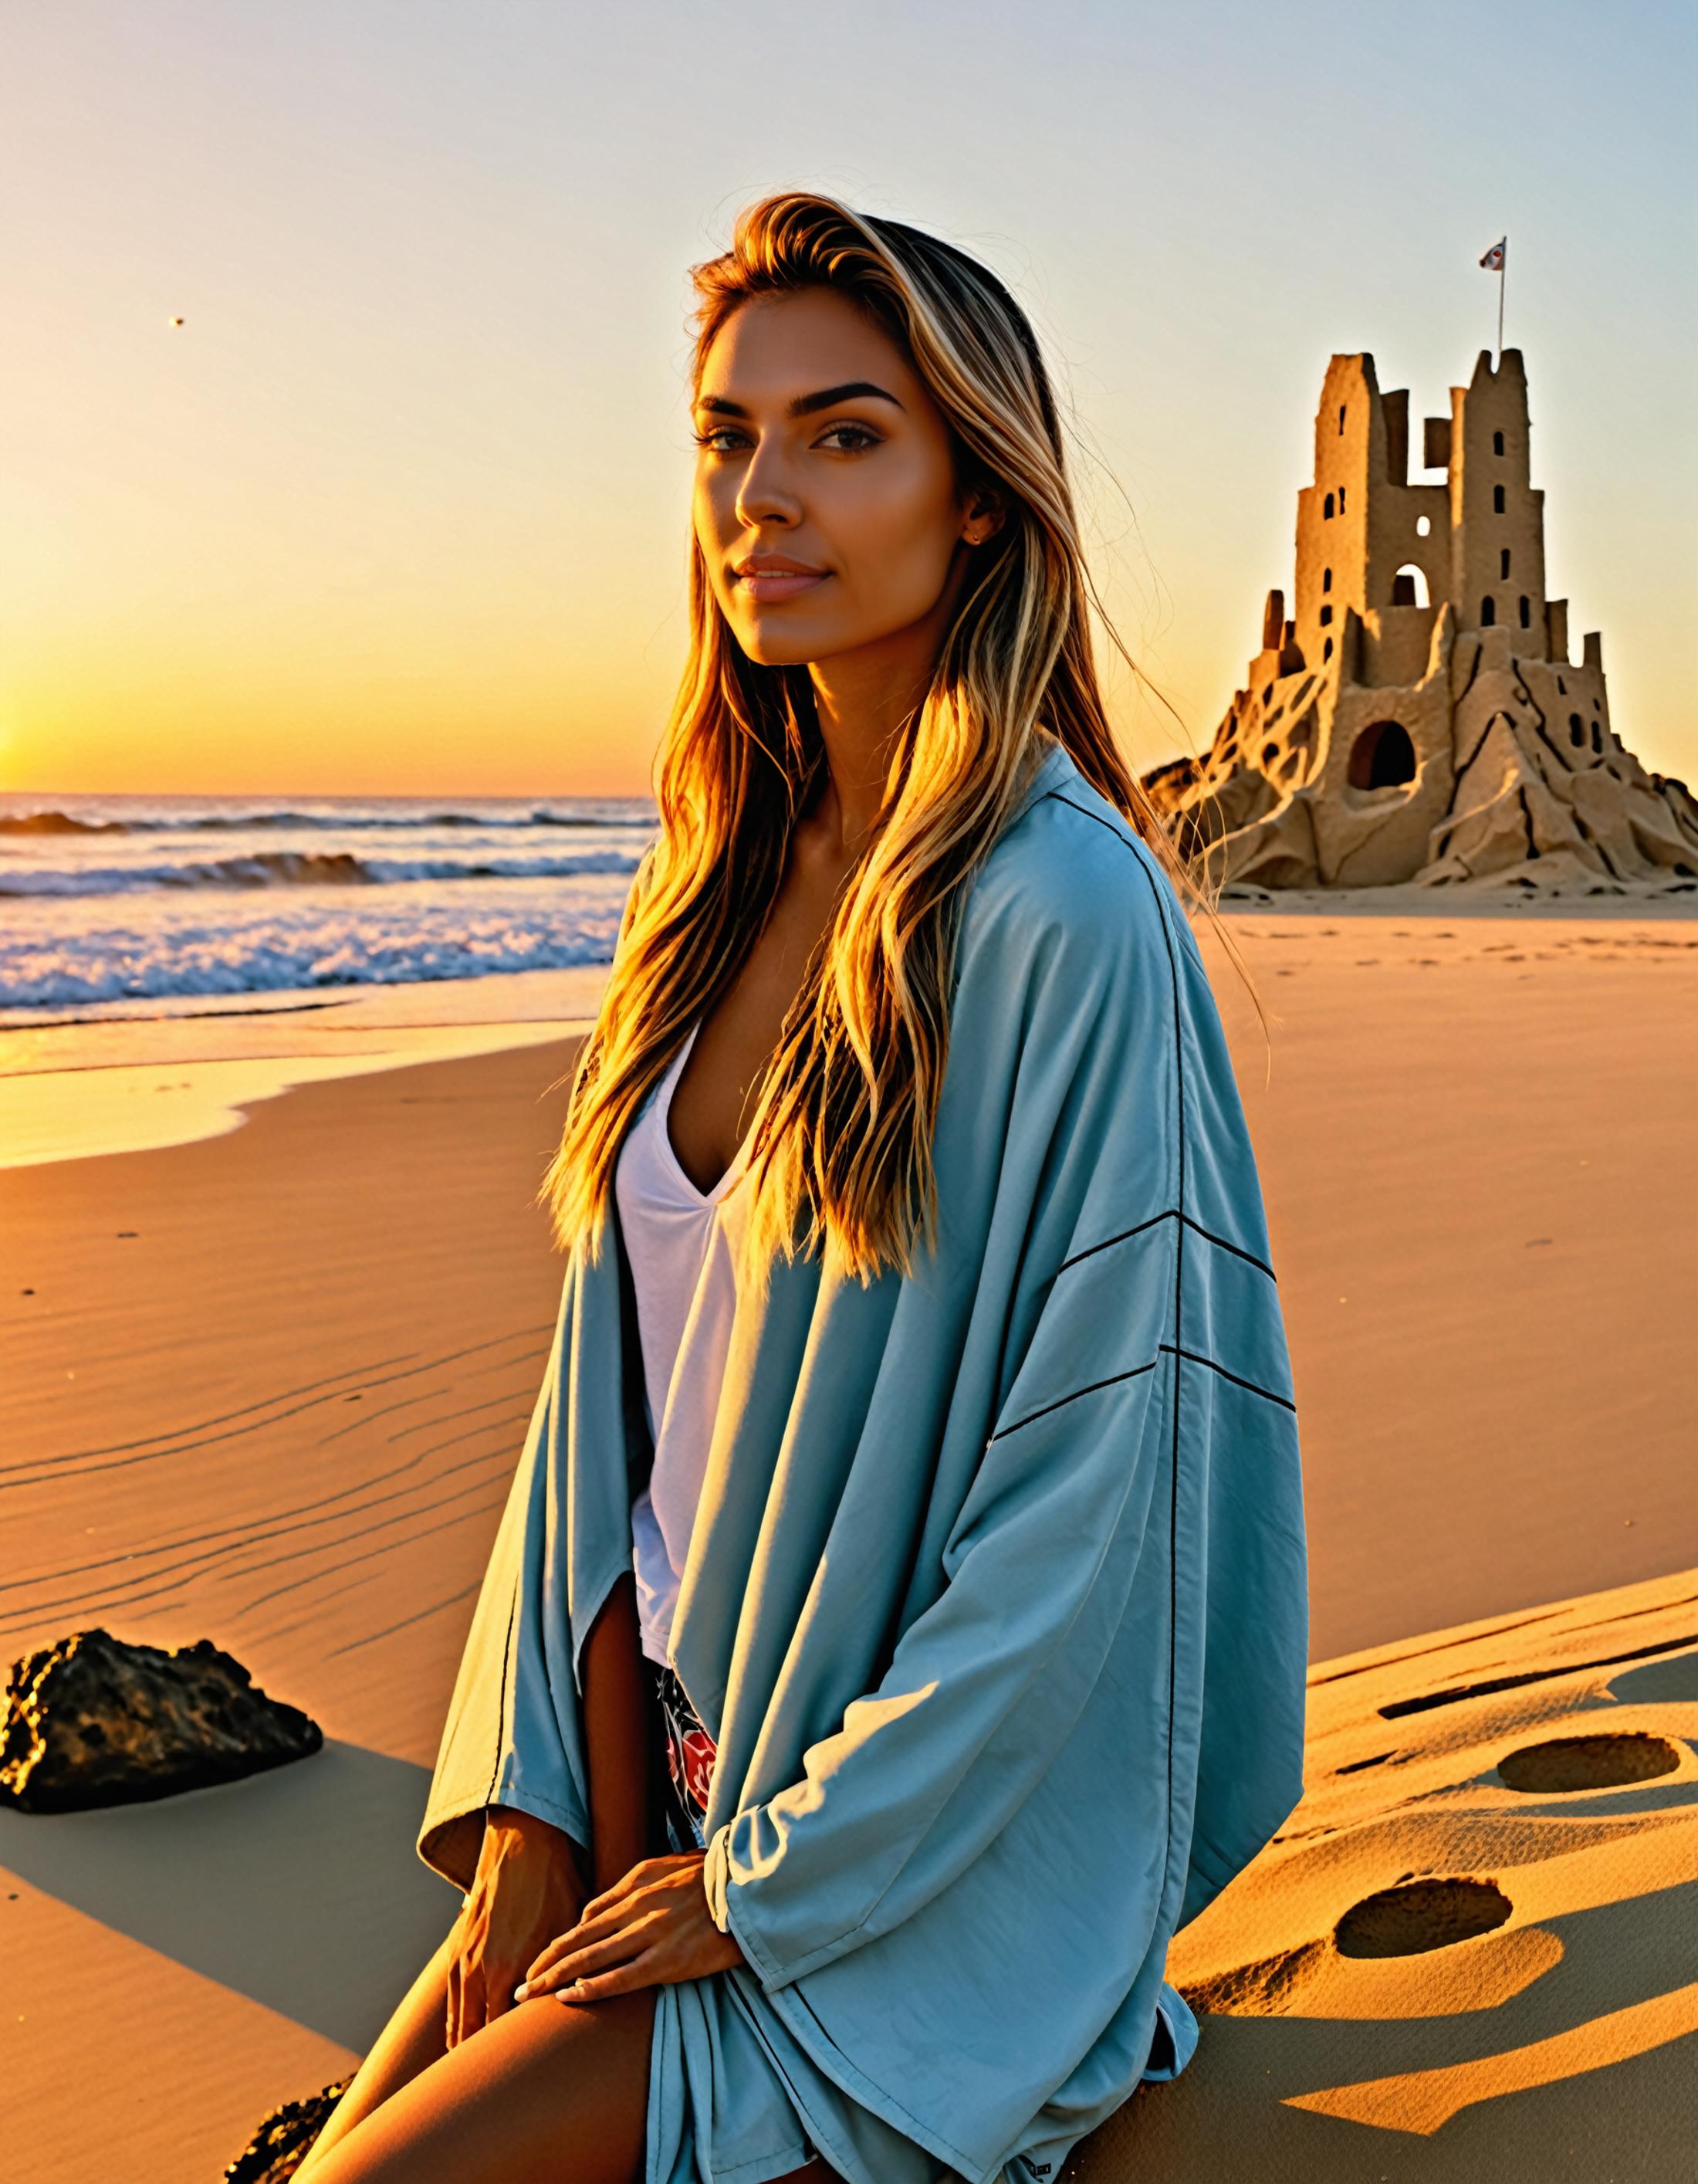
[1382, 756]
[1409, 586]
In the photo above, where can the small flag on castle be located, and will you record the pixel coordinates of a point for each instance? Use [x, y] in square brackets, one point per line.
[1493, 263]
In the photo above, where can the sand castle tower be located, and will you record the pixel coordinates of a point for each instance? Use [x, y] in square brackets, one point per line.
[1417, 715]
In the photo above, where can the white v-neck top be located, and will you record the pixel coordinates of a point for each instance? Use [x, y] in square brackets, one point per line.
[682, 1264]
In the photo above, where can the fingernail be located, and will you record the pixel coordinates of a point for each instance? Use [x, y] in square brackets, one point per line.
[521, 1990]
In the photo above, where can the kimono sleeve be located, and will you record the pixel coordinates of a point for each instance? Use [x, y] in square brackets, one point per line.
[985, 1685]
[513, 1734]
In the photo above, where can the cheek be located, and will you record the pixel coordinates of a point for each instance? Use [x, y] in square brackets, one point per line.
[713, 510]
[713, 517]
[895, 527]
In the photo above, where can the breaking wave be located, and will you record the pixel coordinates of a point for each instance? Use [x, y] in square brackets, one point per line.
[274, 868]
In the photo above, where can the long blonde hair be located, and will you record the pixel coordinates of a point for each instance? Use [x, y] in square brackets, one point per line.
[839, 1149]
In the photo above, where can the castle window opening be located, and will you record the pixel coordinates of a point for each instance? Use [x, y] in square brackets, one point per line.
[1561, 686]
[1327, 650]
[1497, 444]
[1424, 526]
[1409, 586]
[1326, 616]
[1489, 611]
[1269, 753]
[1597, 740]
[1326, 580]
[1497, 500]
[1526, 612]
[1326, 510]
[1341, 500]
[1341, 416]
[1577, 730]
[1382, 756]
[1503, 562]
[1267, 695]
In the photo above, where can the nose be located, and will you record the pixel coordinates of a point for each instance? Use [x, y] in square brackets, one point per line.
[765, 497]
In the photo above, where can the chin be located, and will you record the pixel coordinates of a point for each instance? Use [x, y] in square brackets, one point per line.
[770, 644]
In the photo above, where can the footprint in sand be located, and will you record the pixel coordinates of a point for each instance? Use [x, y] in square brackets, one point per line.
[1420, 1915]
[1588, 1763]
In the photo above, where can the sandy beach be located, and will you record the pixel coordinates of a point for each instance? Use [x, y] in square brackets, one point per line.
[266, 1386]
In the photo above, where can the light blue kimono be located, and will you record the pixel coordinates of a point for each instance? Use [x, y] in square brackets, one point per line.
[996, 1603]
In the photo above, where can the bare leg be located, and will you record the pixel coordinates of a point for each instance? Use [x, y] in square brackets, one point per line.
[549, 2094]
[551, 2090]
[567, 2101]
[626, 1823]
[414, 2038]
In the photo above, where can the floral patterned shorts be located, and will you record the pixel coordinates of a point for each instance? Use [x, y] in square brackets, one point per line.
[689, 1759]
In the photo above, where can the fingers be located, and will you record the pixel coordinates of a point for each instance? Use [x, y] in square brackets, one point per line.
[568, 1985]
[574, 1940]
[643, 1869]
[477, 1994]
[623, 1979]
[470, 1998]
[580, 1968]
[602, 1915]
[451, 2030]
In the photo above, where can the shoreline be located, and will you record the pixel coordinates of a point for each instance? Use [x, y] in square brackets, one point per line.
[80, 1087]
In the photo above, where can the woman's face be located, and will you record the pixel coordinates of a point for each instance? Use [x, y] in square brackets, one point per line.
[820, 448]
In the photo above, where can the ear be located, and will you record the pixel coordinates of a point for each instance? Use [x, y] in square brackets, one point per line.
[983, 515]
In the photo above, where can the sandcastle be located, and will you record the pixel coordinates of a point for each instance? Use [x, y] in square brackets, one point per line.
[1418, 717]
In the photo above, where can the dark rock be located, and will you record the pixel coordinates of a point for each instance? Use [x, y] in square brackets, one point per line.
[280, 2145]
[96, 1720]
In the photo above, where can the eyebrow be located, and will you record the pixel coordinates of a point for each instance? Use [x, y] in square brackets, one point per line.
[804, 405]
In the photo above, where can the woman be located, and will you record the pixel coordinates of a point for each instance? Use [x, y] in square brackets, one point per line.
[916, 1467]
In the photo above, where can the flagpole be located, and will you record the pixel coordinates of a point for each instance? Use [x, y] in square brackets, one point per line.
[1503, 276]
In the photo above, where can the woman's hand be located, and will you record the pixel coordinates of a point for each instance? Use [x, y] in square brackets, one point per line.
[526, 1887]
[648, 1929]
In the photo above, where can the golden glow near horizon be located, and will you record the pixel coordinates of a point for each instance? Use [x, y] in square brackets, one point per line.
[343, 425]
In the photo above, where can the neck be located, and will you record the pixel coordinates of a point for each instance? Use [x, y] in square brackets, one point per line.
[859, 724]
[862, 699]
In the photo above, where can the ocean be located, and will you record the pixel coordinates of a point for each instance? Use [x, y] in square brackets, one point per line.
[108, 904]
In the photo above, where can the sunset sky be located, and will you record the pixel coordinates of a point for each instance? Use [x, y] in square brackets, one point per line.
[402, 507]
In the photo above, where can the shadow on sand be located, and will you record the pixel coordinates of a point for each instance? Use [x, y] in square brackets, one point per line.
[299, 1888]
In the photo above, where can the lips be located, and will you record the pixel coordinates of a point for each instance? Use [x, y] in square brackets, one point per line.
[776, 576]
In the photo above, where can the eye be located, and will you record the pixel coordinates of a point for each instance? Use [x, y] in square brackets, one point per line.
[709, 439]
[863, 437]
